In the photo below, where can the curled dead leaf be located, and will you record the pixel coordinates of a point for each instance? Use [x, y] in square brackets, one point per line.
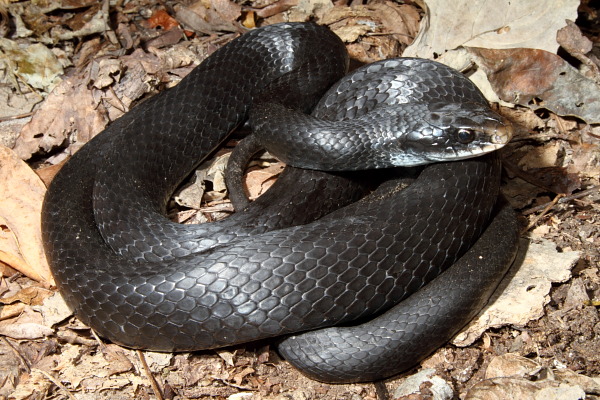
[31, 295]
[53, 123]
[28, 330]
[21, 196]
[540, 79]
[162, 19]
[220, 15]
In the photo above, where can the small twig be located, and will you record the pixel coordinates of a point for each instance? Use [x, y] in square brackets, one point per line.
[563, 200]
[100, 342]
[18, 354]
[389, 34]
[559, 123]
[35, 93]
[149, 375]
[381, 391]
[544, 212]
[56, 382]
[18, 116]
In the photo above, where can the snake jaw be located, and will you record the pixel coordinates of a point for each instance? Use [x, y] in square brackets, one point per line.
[500, 134]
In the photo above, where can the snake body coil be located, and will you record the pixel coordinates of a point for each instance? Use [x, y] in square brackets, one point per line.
[293, 260]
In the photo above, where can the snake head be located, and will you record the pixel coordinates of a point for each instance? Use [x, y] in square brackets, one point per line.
[458, 131]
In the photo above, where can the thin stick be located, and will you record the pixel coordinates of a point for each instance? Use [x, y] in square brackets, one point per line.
[149, 375]
[564, 199]
[544, 212]
[55, 381]
[100, 342]
[19, 356]
[18, 116]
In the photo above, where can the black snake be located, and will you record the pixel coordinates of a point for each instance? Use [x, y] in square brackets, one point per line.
[306, 255]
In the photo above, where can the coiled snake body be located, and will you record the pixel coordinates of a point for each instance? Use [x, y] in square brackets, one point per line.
[293, 260]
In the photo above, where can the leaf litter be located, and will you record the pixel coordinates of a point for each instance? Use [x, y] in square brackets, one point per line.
[538, 61]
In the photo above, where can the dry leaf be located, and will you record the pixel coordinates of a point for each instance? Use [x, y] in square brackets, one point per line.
[21, 196]
[238, 377]
[576, 44]
[162, 19]
[46, 174]
[511, 364]
[500, 24]
[31, 295]
[260, 180]
[28, 330]
[540, 79]
[227, 356]
[572, 40]
[423, 383]
[95, 22]
[117, 360]
[89, 111]
[522, 389]
[375, 30]
[15, 104]
[305, 9]
[35, 64]
[53, 123]
[11, 311]
[269, 9]
[219, 15]
[9, 371]
[93, 371]
[527, 291]
[54, 310]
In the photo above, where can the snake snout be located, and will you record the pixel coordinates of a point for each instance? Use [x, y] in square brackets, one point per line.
[501, 133]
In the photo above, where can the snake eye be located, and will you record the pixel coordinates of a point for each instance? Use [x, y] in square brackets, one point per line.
[465, 136]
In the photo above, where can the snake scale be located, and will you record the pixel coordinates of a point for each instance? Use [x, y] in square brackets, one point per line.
[319, 249]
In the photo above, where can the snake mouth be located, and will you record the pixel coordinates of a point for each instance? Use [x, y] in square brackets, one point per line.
[499, 134]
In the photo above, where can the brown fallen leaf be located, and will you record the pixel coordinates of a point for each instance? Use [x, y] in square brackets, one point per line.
[11, 370]
[557, 179]
[576, 44]
[208, 18]
[116, 359]
[162, 19]
[28, 330]
[35, 64]
[101, 92]
[239, 376]
[21, 195]
[260, 180]
[46, 174]
[373, 31]
[32, 295]
[540, 79]
[95, 371]
[53, 123]
[11, 311]
[6, 270]
[511, 364]
[270, 9]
